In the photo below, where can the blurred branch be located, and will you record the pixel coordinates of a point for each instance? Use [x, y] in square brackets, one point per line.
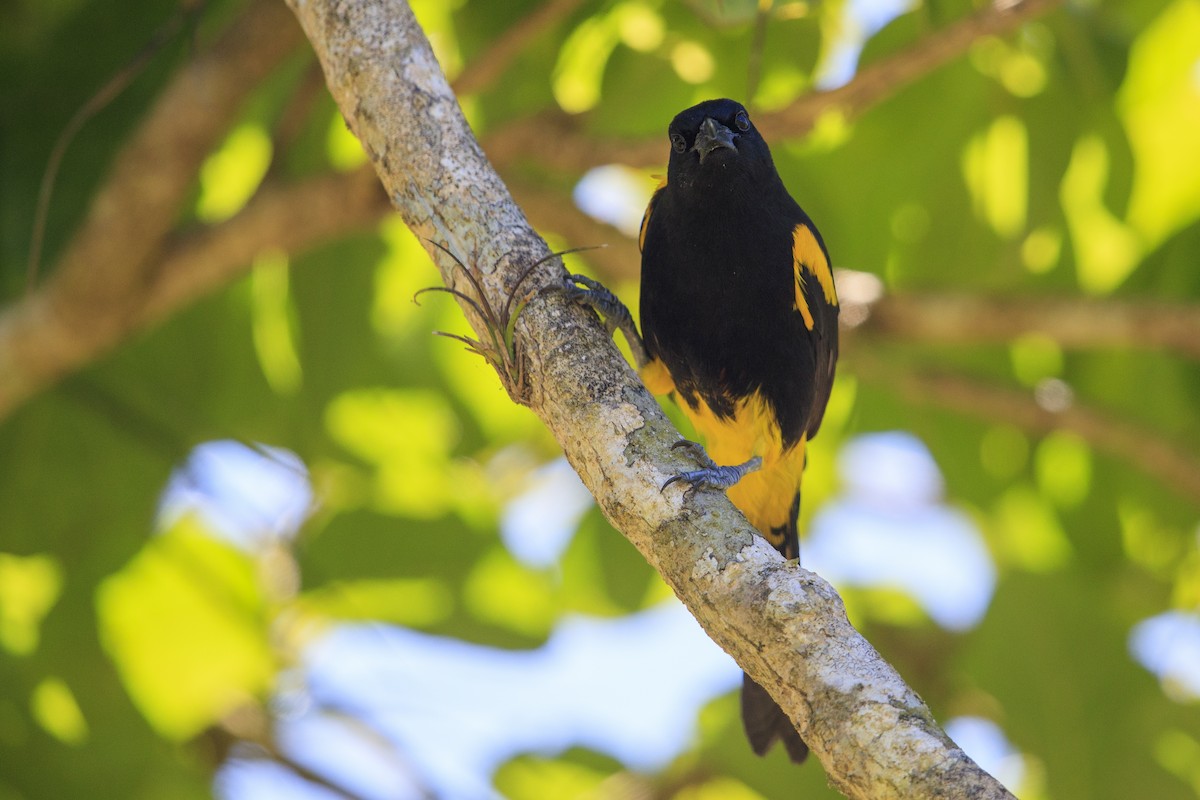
[43, 338]
[1073, 322]
[111, 89]
[290, 217]
[100, 283]
[782, 624]
[558, 141]
[1150, 451]
[878, 81]
[483, 71]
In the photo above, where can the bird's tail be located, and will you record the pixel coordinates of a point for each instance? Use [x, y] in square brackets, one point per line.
[763, 719]
[765, 723]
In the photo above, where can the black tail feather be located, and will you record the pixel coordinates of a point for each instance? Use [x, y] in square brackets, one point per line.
[765, 723]
[763, 719]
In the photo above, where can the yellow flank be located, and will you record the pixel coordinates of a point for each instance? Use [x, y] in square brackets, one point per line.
[808, 257]
[765, 496]
[657, 378]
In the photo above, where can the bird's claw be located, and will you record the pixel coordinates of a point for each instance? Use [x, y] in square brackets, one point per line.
[710, 475]
[599, 298]
[614, 314]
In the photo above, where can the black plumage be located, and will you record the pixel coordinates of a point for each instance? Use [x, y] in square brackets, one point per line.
[739, 317]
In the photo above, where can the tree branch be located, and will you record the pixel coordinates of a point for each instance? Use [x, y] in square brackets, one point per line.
[564, 146]
[1073, 322]
[1149, 451]
[93, 298]
[878, 81]
[784, 625]
[46, 335]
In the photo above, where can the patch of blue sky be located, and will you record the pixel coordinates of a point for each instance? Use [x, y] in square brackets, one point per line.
[1168, 645]
[248, 495]
[538, 524]
[616, 195]
[986, 744]
[890, 528]
[861, 20]
[628, 687]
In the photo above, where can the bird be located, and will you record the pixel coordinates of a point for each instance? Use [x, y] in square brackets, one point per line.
[739, 322]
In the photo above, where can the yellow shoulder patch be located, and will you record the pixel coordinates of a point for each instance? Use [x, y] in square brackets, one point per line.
[662, 181]
[657, 378]
[811, 259]
[801, 303]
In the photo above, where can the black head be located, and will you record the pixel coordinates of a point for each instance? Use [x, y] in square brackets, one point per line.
[715, 144]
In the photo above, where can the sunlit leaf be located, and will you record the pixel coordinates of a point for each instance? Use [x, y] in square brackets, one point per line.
[532, 778]
[55, 709]
[1147, 541]
[718, 789]
[1106, 250]
[343, 148]
[29, 587]
[1063, 465]
[231, 174]
[1160, 105]
[274, 337]
[996, 167]
[1035, 357]
[502, 592]
[1028, 532]
[185, 623]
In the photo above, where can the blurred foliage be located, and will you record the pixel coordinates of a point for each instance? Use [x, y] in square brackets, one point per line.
[1061, 159]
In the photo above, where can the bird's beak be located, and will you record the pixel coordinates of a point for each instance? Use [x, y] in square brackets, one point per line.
[712, 136]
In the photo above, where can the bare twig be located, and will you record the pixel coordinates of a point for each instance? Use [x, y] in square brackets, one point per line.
[785, 626]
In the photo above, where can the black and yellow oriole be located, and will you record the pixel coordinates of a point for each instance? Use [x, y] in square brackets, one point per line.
[739, 321]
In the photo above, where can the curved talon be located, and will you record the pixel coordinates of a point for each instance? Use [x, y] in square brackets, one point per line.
[597, 297]
[614, 313]
[713, 476]
[697, 452]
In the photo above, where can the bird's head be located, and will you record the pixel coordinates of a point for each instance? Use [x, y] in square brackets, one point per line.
[715, 143]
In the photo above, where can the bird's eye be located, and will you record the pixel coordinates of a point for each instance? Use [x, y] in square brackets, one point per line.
[742, 121]
[678, 142]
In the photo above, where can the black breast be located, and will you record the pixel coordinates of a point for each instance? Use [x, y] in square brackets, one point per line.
[717, 306]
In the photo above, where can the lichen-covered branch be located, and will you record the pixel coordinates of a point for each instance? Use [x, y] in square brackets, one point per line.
[784, 625]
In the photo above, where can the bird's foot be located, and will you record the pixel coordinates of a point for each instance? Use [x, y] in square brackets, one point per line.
[612, 311]
[710, 475]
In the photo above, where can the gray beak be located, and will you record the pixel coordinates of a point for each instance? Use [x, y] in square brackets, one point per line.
[712, 136]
